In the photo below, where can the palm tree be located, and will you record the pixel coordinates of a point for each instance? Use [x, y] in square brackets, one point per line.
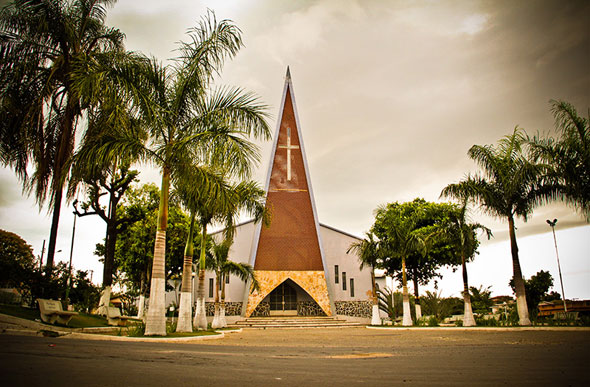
[368, 252]
[223, 268]
[223, 206]
[511, 186]
[396, 227]
[464, 235]
[569, 155]
[186, 123]
[193, 197]
[42, 43]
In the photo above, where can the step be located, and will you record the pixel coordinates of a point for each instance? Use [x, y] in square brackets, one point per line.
[294, 322]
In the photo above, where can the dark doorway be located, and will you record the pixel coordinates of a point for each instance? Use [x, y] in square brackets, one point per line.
[283, 300]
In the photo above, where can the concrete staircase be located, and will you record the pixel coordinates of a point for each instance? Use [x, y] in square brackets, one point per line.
[294, 322]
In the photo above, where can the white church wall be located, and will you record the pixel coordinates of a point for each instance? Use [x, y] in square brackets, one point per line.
[335, 244]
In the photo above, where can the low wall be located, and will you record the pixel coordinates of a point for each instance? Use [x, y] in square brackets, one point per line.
[362, 309]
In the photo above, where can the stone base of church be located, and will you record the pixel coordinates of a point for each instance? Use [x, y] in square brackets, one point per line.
[362, 309]
[231, 308]
[313, 282]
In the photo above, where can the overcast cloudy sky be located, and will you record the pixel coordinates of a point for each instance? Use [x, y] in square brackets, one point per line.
[390, 95]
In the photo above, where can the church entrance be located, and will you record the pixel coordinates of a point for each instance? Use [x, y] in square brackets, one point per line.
[283, 300]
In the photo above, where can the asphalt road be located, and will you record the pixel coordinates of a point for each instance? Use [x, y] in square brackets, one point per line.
[305, 357]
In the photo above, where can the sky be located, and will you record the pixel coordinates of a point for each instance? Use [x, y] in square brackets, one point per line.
[390, 96]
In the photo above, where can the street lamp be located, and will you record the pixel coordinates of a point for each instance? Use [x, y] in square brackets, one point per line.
[552, 225]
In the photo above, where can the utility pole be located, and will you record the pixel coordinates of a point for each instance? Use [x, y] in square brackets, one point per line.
[42, 253]
[69, 283]
[552, 225]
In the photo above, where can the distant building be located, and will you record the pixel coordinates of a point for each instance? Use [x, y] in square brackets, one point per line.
[555, 308]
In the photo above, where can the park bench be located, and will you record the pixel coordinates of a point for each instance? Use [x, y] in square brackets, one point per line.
[114, 317]
[51, 312]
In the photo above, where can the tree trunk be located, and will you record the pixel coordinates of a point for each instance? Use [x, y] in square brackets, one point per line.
[110, 242]
[216, 323]
[155, 324]
[375, 319]
[222, 306]
[521, 304]
[142, 291]
[185, 312]
[109, 256]
[200, 314]
[200, 321]
[53, 233]
[417, 298]
[468, 319]
[105, 300]
[407, 319]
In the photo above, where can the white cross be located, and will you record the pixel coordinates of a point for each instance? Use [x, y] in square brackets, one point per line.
[289, 147]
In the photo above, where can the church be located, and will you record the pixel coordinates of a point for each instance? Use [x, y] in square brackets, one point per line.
[302, 266]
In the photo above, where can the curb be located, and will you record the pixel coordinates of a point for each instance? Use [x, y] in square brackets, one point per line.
[492, 329]
[90, 336]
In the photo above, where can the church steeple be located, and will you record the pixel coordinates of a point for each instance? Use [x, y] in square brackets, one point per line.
[290, 249]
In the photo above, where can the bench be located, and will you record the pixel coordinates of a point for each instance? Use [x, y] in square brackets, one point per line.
[51, 312]
[114, 317]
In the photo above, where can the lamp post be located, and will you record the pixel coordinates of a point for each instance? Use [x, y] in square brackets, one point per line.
[552, 225]
[69, 283]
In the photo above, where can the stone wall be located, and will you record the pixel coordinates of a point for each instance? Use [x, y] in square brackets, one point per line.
[354, 308]
[309, 308]
[261, 310]
[231, 308]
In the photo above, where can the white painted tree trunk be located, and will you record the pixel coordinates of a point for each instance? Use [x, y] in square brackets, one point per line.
[523, 311]
[407, 321]
[141, 307]
[215, 324]
[418, 312]
[222, 321]
[155, 320]
[185, 313]
[468, 319]
[156, 314]
[375, 319]
[200, 321]
[105, 301]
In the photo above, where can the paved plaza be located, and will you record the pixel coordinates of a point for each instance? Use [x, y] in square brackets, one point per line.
[346, 356]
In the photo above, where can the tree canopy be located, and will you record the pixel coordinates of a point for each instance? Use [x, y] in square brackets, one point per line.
[16, 260]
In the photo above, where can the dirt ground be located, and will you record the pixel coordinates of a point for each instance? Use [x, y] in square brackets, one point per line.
[324, 357]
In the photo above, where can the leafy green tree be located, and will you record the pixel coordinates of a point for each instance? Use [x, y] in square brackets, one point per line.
[17, 262]
[537, 288]
[84, 294]
[463, 235]
[42, 43]
[187, 124]
[396, 226]
[481, 299]
[134, 252]
[422, 263]
[113, 183]
[368, 252]
[510, 186]
[224, 267]
[569, 155]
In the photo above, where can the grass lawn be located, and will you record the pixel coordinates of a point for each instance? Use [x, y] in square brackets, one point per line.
[138, 331]
[82, 320]
[20, 312]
